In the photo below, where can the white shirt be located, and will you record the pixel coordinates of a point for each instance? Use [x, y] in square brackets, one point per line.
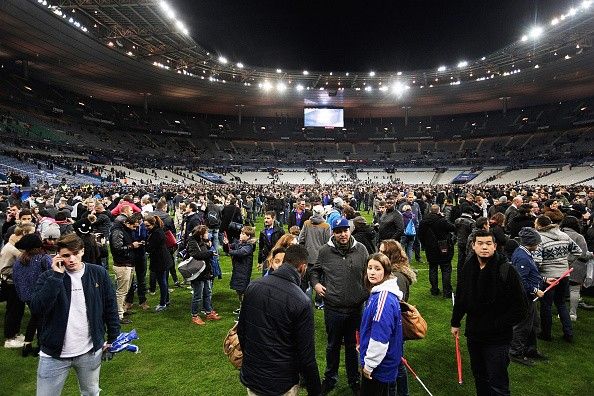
[77, 340]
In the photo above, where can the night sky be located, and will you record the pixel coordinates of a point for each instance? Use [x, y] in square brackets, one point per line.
[331, 35]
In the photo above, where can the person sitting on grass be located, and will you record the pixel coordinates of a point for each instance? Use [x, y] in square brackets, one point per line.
[242, 257]
[381, 328]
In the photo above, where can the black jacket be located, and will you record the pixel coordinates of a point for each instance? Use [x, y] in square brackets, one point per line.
[102, 225]
[493, 300]
[518, 222]
[161, 259]
[292, 220]
[265, 245]
[199, 250]
[433, 229]
[167, 220]
[365, 235]
[276, 334]
[188, 225]
[120, 243]
[391, 226]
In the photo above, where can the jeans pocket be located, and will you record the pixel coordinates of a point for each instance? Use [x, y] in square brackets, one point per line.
[52, 368]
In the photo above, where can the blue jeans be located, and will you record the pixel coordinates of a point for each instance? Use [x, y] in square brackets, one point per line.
[52, 373]
[555, 295]
[214, 237]
[407, 243]
[202, 296]
[161, 277]
[400, 387]
[339, 326]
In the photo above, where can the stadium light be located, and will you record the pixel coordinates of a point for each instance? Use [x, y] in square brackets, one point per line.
[441, 68]
[462, 64]
[586, 4]
[167, 10]
[383, 88]
[223, 60]
[371, 74]
[299, 87]
[369, 88]
[305, 72]
[399, 88]
[555, 21]
[536, 32]
[572, 11]
[279, 71]
[239, 64]
[399, 73]
[281, 87]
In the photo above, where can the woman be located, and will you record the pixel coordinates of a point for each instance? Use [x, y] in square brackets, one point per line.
[242, 260]
[283, 243]
[27, 268]
[161, 259]
[231, 213]
[496, 226]
[551, 209]
[381, 328]
[552, 258]
[571, 226]
[405, 277]
[14, 306]
[199, 248]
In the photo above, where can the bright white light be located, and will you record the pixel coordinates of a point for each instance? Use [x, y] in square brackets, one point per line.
[536, 67]
[266, 86]
[305, 72]
[347, 74]
[536, 32]
[185, 31]
[383, 88]
[572, 11]
[586, 4]
[223, 60]
[524, 38]
[239, 64]
[441, 68]
[299, 87]
[399, 88]
[71, 20]
[167, 10]
[44, 2]
[555, 21]
[179, 25]
[371, 74]
[129, 53]
[281, 87]
[279, 71]
[399, 73]
[567, 57]
[483, 58]
[368, 88]
[110, 44]
[462, 64]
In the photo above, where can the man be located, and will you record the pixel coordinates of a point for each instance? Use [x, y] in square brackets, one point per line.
[391, 223]
[342, 262]
[24, 217]
[434, 234]
[523, 344]
[299, 215]
[276, 324]
[77, 304]
[122, 245]
[269, 236]
[490, 294]
[512, 211]
[192, 219]
[336, 211]
[212, 218]
[464, 226]
[416, 210]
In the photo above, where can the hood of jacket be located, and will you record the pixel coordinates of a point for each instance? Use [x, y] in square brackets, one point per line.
[554, 233]
[391, 285]
[316, 219]
[432, 218]
[352, 243]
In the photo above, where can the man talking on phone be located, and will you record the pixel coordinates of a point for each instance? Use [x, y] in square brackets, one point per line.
[77, 304]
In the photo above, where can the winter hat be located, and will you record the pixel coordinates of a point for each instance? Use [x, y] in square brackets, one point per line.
[529, 236]
[318, 210]
[82, 226]
[503, 199]
[52, 231]
[338, 202]
[29, 242]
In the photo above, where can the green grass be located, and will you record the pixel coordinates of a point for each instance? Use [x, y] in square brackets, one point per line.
[180, 358]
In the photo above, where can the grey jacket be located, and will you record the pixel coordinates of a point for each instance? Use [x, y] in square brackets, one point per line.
[343, 276]
[552, 254]
[314, 234]
[578, 262]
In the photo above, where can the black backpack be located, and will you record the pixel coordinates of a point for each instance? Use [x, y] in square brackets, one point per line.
[213, 219]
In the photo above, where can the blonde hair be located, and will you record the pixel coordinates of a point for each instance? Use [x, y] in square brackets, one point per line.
[24, 229]
[393, 249]
[283, 243]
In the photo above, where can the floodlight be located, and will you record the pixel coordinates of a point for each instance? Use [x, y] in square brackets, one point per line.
[300, 87]
[536, 32]
[305, 72]
[462, 64]
[281, 87]
[441, 68]
[239, 64]
[371, 74]
[223, 60]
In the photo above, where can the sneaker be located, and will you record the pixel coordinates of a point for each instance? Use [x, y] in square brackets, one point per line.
[236, 312]
[153, 293]
[13, 343]
[521, 360]
[573, 317]
[125, 321]
[160, 308]
[213, 316]
[197, 320]
[144, 306]
[320, 306]
[585, 305]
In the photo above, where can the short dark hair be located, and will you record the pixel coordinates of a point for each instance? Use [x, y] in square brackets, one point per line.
[571, 222]
[270, 213]
[71, 242]
[193, 206]
[25, 212]
[296, 255]
[543, 221]
[482, 234]
[134, 218]
[480, 223]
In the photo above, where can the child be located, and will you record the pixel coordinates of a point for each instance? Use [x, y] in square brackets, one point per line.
[381, 328]
[242, 258]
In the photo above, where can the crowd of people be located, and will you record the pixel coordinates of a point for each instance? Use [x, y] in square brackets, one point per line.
[316, 250]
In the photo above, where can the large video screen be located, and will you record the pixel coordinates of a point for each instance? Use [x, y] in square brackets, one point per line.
[323, 117]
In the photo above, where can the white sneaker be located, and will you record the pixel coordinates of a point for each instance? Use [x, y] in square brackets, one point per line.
[573, 317]
[20, 337]
[13, 343]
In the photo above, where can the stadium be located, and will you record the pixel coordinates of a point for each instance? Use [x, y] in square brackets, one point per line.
[177, 109]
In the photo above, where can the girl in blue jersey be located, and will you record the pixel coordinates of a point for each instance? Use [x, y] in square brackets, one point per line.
[381, 328]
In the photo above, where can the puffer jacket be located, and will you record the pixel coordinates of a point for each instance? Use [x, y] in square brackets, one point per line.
[120, 243]
[365, 234]
[276, 324]
[242, 261]
[433, 228]
[391, 225]
[578, 262]
[314, 234]
[553, 252]
[343, 275]
[198, 249]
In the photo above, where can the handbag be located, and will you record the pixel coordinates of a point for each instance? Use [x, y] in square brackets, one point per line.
[414, 327]
[170, 240]
[191, 268]
[234, 225]
[232, 349]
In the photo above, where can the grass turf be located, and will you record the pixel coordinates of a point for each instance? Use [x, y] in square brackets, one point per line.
[180, 358]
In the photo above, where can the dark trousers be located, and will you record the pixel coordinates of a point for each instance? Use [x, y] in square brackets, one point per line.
[140, 270]
[461, 259]
[489, 367]
[524, 341]
[555, 295]
[15, 309]
[341, 326]
[417, 249]
[372, 387]
[32, 326]
[400, 387]
[161, 277]
[446, 277]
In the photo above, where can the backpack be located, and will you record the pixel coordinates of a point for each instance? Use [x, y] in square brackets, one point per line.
[232, 349]
[410, 229]
[414, 327]
[212, 218]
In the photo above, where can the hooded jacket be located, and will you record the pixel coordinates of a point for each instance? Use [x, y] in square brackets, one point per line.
[381, 332]
[343, 275]
[365, 234]
[314, 234]
[432, 229]
[464, 226]
[552, 254]
[242, 257]
[578, 262]
[391, 225]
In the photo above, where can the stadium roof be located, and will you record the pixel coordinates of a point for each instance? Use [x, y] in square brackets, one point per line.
[119, 51]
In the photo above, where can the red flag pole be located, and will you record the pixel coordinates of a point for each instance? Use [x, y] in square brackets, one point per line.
[459, 359]
[566, 273]
[415, 375]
